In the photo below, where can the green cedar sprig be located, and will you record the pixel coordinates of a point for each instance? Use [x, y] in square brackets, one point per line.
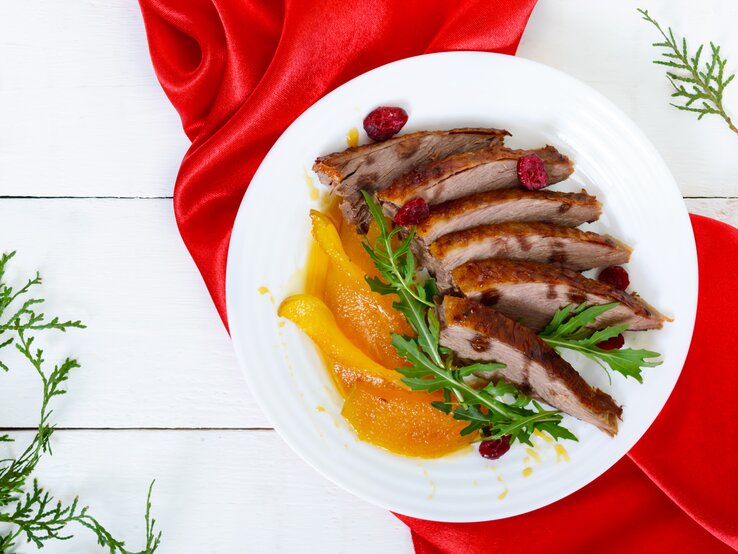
[499, 408]
[27, 510]
[700, 89]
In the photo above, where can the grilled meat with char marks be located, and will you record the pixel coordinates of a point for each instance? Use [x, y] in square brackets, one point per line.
[463, 174]
[516, 204]
[373, 167]
[478, 333]
[537, 242]
[531, 292]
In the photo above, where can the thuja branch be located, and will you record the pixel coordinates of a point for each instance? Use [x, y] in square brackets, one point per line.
[698, 84]
[28, 510]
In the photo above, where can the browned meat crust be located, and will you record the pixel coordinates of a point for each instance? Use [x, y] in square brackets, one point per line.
[539, 242]
[532, 292]
[373, 167]
[462, 174]
[479, 333]
[514, 204]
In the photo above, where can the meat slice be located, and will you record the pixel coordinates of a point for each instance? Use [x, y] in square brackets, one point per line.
[516, 204]
[478, 333]
[531, 293]
[463, 174]
[537, 242]
[373, 167]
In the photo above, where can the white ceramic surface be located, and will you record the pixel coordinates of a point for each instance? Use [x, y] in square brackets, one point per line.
[614, 160]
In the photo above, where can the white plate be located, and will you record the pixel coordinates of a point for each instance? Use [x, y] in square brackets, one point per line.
[539, 105]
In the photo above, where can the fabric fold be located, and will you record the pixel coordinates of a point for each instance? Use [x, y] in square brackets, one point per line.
[239, 72]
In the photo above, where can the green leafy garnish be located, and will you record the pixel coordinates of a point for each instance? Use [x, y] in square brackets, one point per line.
[568, 329]
[27, 510]
[700, 89]
[497, 409]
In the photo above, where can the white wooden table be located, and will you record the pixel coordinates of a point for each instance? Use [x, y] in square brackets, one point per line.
[89, 151]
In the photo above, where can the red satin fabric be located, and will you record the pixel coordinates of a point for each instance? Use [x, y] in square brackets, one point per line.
[239, 72]
[677, 490]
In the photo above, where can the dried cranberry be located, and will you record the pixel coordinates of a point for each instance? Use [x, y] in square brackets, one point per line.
[532, 173]
[615, 276]
[494, 448]
[414, 212]
[384, 122]
[613, 343]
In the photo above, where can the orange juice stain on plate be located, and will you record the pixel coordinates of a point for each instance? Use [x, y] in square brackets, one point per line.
[533, 454]
[561, 453]
[505, 490]
[312, 189]
[265, 290]
[352, 137]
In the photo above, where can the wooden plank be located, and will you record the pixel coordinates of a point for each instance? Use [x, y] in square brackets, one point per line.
[85, 116]
[155, 353]
[83, 113]
[216, 491]
[608, 47]
[722, 209]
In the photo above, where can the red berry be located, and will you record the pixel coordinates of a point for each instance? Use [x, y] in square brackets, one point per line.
[532, 173]
[615, 276]
[414, 212]
[384, 122]
[494, 448]
[613, 343]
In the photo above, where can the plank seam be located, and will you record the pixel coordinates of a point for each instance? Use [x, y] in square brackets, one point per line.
[19, 429]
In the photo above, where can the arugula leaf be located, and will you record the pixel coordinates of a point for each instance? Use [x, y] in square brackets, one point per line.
[569, 329]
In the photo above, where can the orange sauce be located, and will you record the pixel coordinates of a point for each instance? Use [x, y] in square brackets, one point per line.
[352, 137]
[534, 455]
[505, 490]
[265, 291]
[381, 412]
[312, 189]
[561, 453]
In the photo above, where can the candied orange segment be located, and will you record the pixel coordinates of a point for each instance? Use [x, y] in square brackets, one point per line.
[352, 244]
[352, 326]
[364, 318]
[326, 235]
[367, 318]
[311, 315]
[316, 270]
[402, 421]
[345, 376]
